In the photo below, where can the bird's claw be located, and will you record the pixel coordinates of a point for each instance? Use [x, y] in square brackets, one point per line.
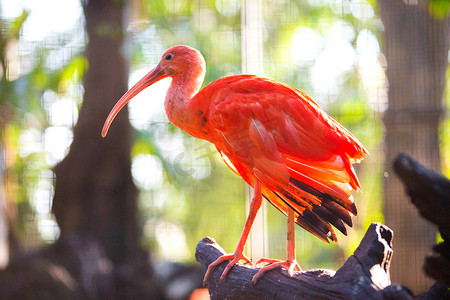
[289, 265]
[233, 258]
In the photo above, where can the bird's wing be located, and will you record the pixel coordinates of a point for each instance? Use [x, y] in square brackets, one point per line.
[301, 156]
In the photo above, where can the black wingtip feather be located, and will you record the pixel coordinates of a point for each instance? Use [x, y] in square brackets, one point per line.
[330, 218]
[308, 227]
[318, 224]
[317, 221]
[350, 206]
[310, 221]
[339, 211]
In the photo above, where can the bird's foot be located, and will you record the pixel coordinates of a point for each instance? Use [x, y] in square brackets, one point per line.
[233, 258]
[289, 265]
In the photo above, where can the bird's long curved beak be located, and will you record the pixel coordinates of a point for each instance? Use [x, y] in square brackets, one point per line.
[153, 76]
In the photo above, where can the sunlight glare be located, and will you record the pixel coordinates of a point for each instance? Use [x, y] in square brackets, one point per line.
[63, 112]
[337, 58]
[57, 140]
[29, 142]
[306, 43]
[43, 197]
[48, 229]
[147, 172]
[371, 72]
[362, 9]
[49, 16]
[172, 241]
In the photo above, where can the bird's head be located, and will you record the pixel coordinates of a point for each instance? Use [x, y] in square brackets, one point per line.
[178, 62]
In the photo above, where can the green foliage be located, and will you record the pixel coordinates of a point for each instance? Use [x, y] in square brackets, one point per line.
[444, 132]
[73, 71]
[444, 137]
[9, 33]
[15, 25]
[439, 8]
[25, 115]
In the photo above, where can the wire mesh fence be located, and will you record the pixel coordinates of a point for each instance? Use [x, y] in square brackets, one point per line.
[332, 50]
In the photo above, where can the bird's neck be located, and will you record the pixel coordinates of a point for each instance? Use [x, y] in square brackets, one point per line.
[182, 109]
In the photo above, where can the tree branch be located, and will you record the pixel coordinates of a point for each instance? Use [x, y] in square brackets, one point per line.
[365, 275]
[430, 193]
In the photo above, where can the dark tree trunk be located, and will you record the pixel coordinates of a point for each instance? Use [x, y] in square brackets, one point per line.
[430, 193]
[416, 48]
[94, 191]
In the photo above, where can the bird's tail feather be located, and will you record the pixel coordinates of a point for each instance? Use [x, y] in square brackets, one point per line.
[303, 217]
[328, 183]
[320, 197]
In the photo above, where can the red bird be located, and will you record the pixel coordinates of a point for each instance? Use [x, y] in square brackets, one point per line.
[272, 135]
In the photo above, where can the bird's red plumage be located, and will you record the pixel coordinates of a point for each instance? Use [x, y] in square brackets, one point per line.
[276, 133]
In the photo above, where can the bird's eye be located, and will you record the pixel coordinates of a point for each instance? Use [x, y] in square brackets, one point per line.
[169, 56]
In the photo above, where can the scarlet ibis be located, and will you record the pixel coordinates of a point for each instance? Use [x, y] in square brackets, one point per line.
[272, 135]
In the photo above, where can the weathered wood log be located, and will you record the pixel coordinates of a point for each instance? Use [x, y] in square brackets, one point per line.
[435, 292]
[365, 275]
[430, 193]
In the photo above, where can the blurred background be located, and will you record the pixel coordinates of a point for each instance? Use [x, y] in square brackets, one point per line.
[379, 68]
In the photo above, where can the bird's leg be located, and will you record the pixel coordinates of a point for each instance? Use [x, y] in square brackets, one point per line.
[290, 263]
[239, 252]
